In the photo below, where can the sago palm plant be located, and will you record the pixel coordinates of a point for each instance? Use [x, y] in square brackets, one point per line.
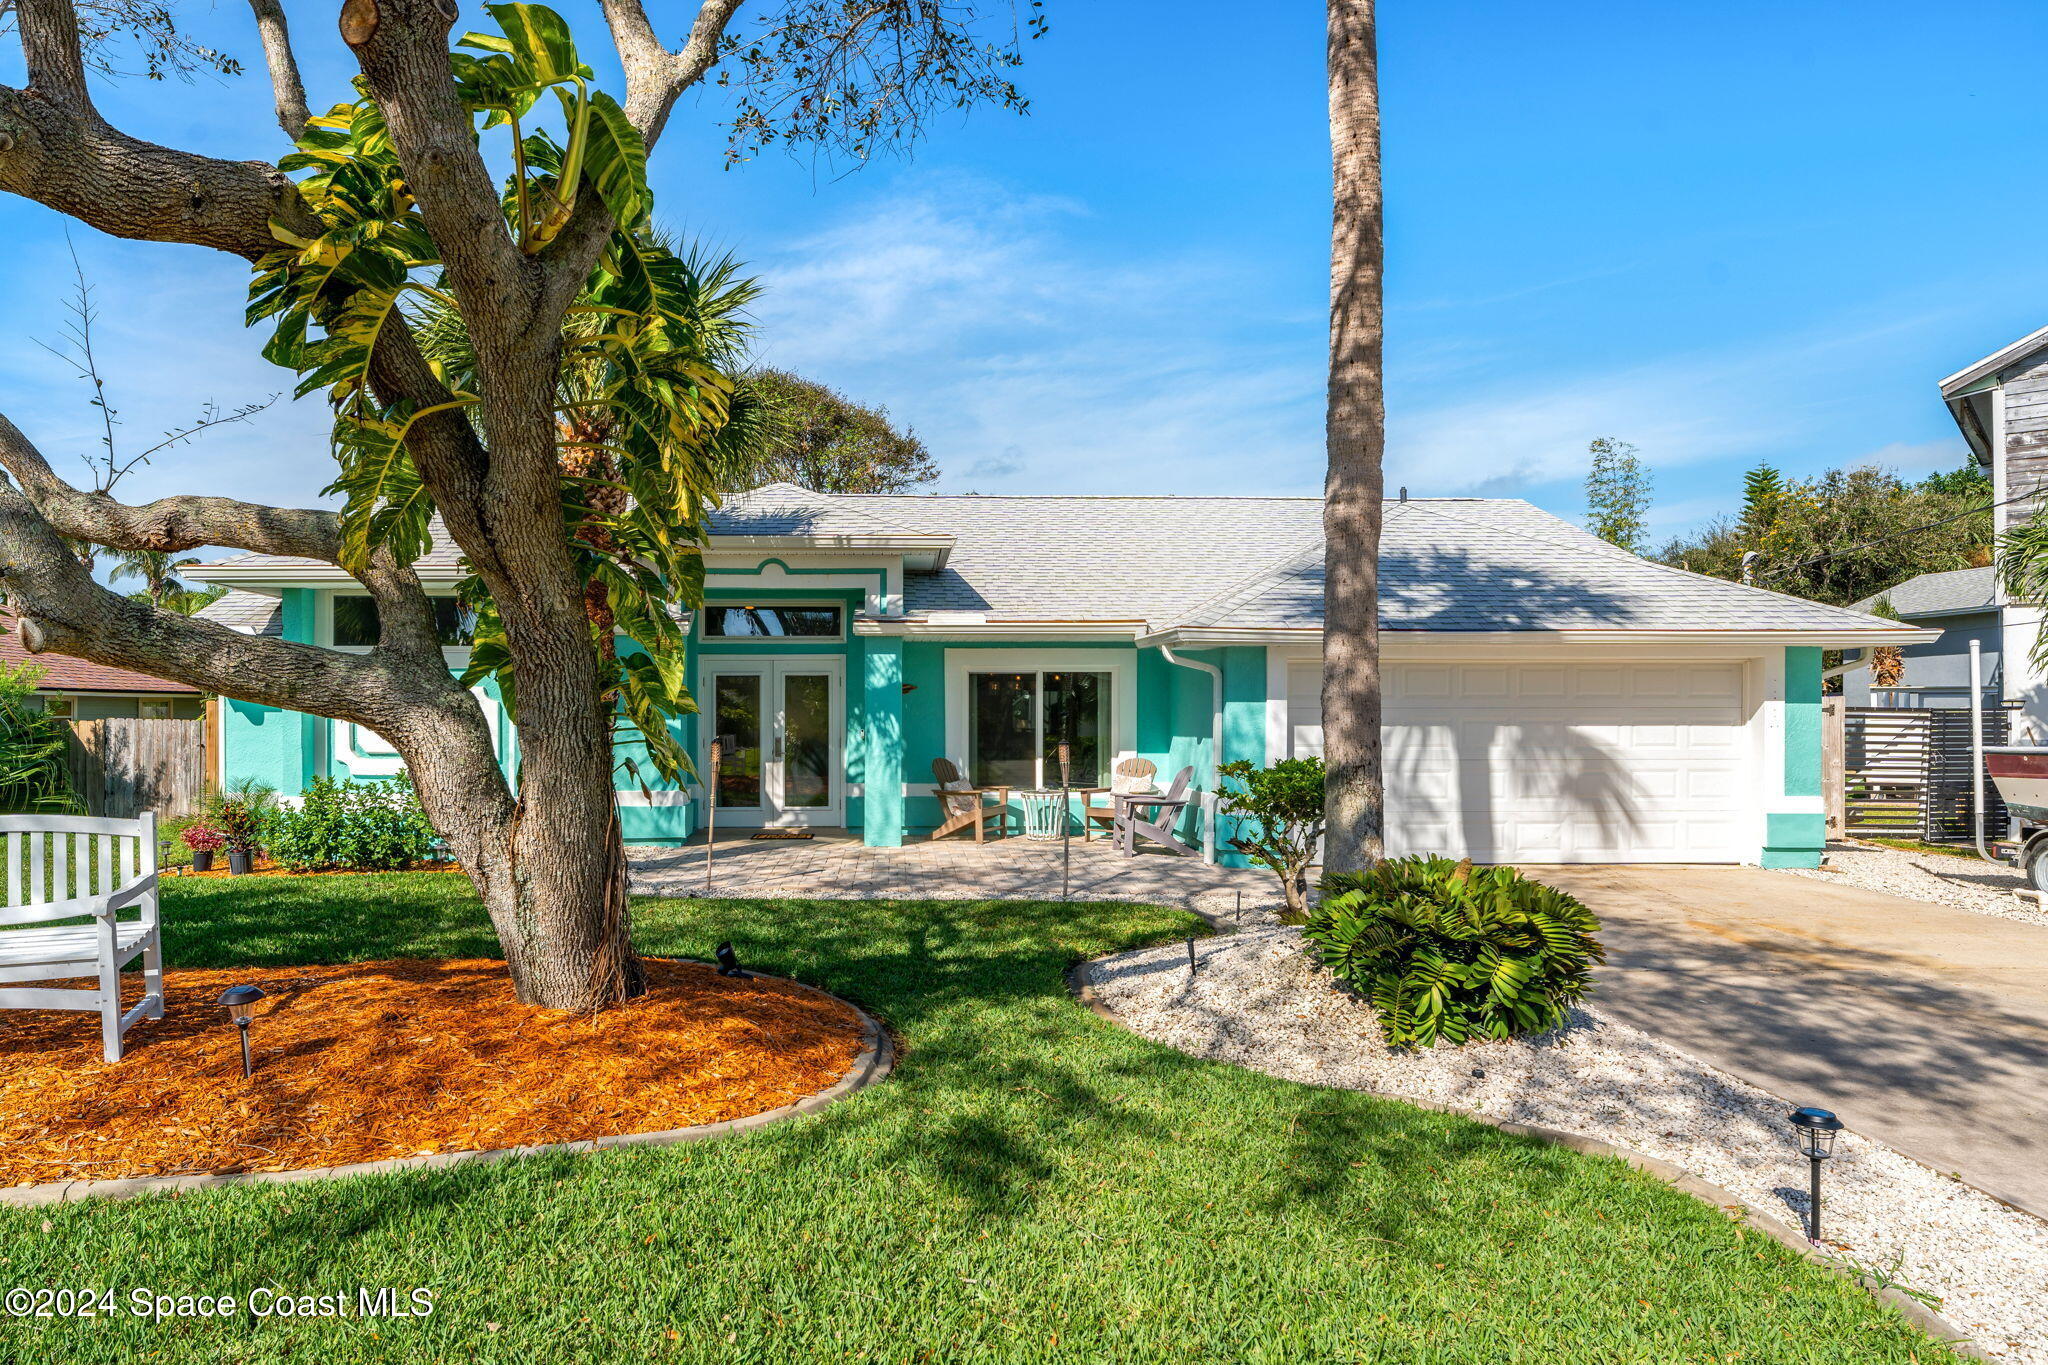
[1449, 952]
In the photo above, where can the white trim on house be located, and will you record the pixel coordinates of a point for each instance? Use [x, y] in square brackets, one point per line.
[961, 631]
[1121, 665]
[928, 551]
[1994, 362]
[794, 572]
[1393, 642]
[656, 797]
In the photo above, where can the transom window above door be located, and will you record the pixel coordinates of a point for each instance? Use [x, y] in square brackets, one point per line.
[1016, 721]
[773, 623]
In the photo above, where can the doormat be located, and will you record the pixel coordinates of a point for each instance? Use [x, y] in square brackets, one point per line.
[781, 834]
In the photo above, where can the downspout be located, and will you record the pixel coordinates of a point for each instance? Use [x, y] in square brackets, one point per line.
[1215, 748]
[1977, 751]
[1849, 667]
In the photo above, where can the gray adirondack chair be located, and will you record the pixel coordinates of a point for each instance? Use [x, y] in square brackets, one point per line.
[93, 867]
[1161, 811]
[1130, 774]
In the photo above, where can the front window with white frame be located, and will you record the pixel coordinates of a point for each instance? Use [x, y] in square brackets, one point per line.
[1017, 720]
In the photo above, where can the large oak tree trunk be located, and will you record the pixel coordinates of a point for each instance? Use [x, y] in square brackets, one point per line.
[549, 865]
[1356, 433]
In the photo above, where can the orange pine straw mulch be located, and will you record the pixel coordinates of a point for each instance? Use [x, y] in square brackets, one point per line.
[388, 1059]
[263, 867]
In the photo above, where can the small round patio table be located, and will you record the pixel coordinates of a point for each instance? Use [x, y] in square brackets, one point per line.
[1042, 811]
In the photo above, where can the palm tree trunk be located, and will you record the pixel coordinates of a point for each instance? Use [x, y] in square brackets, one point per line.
[1356, 434]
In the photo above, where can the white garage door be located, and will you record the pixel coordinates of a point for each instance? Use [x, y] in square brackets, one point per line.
[1557, 763]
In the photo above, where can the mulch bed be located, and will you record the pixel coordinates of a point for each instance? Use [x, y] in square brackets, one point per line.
[263, 867]
[389, 1059]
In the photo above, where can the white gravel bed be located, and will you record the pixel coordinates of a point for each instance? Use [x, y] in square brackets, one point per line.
[1258, 1001]
[1964, 883]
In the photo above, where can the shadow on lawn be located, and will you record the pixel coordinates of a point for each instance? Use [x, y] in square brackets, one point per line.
[1002, 1079]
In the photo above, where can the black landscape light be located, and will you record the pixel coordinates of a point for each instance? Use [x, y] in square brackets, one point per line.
[728, 961]
[1813, 1130]
[240, 1003]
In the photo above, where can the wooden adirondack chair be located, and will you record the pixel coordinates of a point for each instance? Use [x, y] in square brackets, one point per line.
[961, 806]
[1133, 774]
[1129, 826]
[78, 878]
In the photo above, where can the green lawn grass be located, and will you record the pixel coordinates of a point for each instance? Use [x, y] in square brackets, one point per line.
[1032, 1184]
[1922, 846]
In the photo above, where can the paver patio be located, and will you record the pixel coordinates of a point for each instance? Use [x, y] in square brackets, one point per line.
[835, 865]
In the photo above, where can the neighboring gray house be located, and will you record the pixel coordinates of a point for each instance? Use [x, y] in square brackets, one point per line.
[2001, 405]
[1961, 604]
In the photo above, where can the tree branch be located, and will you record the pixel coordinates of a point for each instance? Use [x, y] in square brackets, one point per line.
[175, 524]
[74, 162]
[168, 524]
[402, 47]
[286, 88]
[49, 47]
[63, 609]
[656, 77]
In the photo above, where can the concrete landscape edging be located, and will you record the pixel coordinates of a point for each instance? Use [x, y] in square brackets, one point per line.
[877, 1058]
[1914, 1311]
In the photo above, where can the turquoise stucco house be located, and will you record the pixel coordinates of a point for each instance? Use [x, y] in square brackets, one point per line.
[1548, 698]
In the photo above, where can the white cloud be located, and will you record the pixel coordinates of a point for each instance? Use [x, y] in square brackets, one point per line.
[1771, 395]
[1028, 365]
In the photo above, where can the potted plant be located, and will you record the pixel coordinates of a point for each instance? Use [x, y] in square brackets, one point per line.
[202, 838]
[240, 827]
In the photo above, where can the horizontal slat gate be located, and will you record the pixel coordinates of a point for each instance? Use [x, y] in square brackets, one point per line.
[1884, 770]
[1907, 772]
[1949, 788]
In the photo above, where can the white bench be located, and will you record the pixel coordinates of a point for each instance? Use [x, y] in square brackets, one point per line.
[64, 867]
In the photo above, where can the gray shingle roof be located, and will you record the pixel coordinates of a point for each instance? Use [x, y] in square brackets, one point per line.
[251, 613]
[1952, 593]
[1462, 564]
[1501, 565]
[784, 509]
[1101, 558]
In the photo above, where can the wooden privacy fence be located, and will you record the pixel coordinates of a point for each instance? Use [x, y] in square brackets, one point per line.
[1905, 773]
[125, 765]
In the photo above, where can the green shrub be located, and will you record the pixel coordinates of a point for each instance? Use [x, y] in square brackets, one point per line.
[35, 776]
[364, 825]
[1446, 951]
[1279, 812]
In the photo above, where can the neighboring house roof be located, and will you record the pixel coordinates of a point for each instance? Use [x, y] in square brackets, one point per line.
[1953, 592]
[1236, 563]
[251, 613]
[63, 673]
[1996, 361]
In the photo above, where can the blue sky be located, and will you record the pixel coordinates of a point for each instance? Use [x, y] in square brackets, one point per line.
[1722, 231]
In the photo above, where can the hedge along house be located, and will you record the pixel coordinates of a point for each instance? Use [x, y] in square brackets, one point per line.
[1548, 698]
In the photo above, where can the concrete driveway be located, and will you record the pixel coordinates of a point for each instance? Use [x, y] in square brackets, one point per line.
[1921, 1025]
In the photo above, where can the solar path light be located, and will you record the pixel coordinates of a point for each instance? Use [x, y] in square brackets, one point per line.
[1813, 1131]
[240, 1003]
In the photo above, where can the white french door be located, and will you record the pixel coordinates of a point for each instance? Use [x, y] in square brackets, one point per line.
[782, 724]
